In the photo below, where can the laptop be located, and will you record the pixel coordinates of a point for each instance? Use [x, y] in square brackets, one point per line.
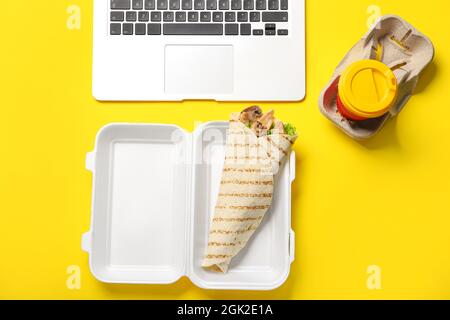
[174, 50]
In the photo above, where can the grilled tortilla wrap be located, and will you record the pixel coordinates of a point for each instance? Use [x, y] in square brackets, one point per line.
[246, 191]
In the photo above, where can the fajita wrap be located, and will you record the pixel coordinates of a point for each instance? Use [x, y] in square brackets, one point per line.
[256, 146]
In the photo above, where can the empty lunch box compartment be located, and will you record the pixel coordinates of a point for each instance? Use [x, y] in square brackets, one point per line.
[154, 193]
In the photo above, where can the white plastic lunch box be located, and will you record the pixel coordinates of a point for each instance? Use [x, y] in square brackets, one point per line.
[154, 193]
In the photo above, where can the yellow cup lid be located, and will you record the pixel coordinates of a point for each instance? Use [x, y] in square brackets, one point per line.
[368, 88]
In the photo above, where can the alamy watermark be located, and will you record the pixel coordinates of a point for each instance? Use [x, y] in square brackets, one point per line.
[73, 281]
[374, 13]
[74, 17]
[373, 277]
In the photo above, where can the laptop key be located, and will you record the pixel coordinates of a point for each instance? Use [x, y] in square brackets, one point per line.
[236, 4]
[143, 16]
[270, 29]
[162, 5]
[211, 4]
[150, 5]
[186, 4]
[168, 16]
[273, 4]
[154, 29]
[260, 4]
[246, 29]
[255, 16]
[258, 32]
[180, 16]
[141, 29]
[117, 16]
[120, 4]
[193, 16]
[199, 4]
[231, 29]
[127, 29]
[242, 16]
[131, 16]
[205, 29]
[115, 29]
[249, 4]
[174, 5]
[205, 16]
[284, 5]
[275, 17]
[283, 32]
[218, 16]
[138, 4]
[230, 16]
[224, 4]
[155, 16]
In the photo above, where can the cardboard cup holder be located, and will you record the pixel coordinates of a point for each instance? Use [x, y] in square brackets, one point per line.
[402, 48]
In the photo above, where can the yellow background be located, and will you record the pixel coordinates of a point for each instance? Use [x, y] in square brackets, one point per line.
[385, 202]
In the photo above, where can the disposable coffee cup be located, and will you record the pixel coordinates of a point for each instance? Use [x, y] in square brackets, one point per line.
[367, 89]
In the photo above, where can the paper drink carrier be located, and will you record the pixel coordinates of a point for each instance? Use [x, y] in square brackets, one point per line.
[401, 47]
[154, 191]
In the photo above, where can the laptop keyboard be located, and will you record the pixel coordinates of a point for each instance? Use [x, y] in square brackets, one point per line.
[199, 17]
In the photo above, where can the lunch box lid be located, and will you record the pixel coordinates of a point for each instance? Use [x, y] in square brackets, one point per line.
[142, 199]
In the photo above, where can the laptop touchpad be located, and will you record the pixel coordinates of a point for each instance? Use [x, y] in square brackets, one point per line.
[199, 69]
